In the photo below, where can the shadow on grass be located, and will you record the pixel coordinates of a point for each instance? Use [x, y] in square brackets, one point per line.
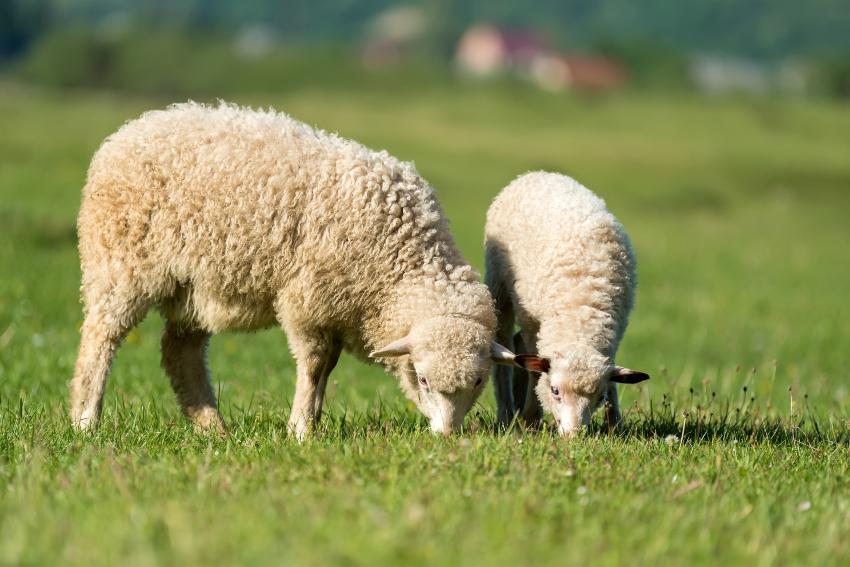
[695, 426]
[720, 420]
[155, 424]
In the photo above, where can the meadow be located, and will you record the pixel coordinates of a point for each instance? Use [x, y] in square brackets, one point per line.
[735, 451]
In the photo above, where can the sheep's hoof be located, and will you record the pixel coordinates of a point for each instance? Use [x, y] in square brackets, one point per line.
[504, 419]
[302, 430]
[208, 421]
[85, 420]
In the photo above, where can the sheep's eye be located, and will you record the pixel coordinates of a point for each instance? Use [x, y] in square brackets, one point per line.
[555, 391]
[478, 382]
[423, 382]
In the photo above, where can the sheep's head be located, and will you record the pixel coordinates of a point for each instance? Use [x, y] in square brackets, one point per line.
[574, 383]
[446, 368]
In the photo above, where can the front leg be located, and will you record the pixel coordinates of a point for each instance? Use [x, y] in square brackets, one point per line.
[504, 395]
[532, 411]
[503, 386]
[613, 417]
[316, 354]
[519, 376]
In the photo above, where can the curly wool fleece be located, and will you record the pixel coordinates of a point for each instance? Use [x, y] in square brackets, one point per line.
[561, 265]
[232, 219]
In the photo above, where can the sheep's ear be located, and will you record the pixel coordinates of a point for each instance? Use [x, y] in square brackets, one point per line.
[627, 376]
[501, 355]
[396, 348]
[532, 363]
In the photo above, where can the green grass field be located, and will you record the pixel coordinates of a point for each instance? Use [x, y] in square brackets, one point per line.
[736, 450]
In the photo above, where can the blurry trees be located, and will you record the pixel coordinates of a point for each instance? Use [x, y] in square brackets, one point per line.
[774, 29]
[172, 44]
[20, 23]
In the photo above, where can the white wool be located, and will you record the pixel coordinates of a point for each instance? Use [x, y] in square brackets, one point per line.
[562, 267]
[228, 218]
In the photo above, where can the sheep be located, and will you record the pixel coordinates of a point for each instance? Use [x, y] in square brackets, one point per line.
[562, 266]
[231, 219]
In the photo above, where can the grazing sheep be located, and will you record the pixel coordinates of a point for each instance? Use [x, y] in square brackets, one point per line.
[562, 265]
[232, 219]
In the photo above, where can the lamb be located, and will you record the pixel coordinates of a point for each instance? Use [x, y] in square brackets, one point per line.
[227, 218]
[562, 266]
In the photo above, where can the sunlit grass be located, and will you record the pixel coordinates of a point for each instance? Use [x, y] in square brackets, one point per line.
[736, 450]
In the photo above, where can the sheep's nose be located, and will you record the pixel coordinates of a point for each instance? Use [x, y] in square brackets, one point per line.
[569, 433]
[441, 427]
[445, 416]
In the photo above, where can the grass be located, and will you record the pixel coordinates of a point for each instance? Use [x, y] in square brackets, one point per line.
[736, 451]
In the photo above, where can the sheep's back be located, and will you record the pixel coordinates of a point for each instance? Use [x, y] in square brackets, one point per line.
[560, 250]
[246, 207]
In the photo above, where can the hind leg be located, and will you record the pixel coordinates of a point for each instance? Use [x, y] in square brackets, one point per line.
[109, 317]
[335, 349]
[184, 361]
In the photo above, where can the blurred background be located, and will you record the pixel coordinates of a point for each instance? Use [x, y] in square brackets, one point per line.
[717, 131]
[215, 47]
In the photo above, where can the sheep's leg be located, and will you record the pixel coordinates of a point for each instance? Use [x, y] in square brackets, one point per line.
[315, 355]
[108, 319]
[184, 361]
[613, 417]
[503, 375]
[333, 357]
[505, 408]
[532, 411]
[519, 386]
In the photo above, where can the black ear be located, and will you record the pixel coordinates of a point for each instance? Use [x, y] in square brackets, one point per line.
[532, 362]
[627, 376]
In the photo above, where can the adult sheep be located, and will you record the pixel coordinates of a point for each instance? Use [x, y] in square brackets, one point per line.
[562, 266]
[232, 219]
